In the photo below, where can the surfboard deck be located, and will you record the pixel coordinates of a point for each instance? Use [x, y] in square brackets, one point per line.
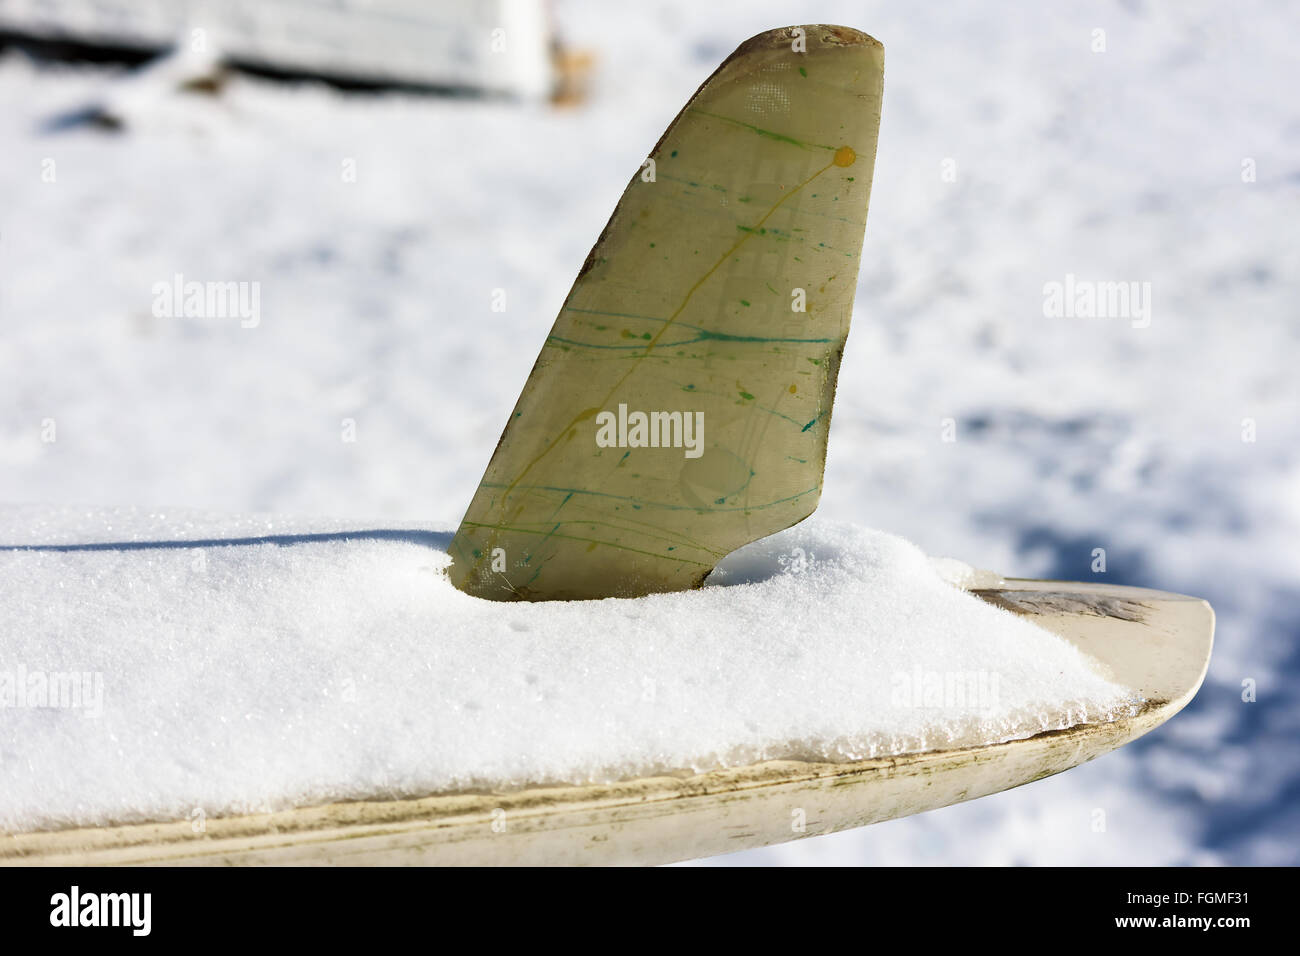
[1154, 642]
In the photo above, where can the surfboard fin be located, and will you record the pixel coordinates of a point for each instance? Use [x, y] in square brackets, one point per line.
[680, 406]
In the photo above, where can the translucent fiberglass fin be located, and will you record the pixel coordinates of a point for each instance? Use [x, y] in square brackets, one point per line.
[680, 406]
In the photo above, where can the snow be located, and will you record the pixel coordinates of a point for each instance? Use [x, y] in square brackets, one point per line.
[250, 663]
[1071, 434]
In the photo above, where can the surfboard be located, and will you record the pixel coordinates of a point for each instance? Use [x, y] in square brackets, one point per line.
[1154, 642]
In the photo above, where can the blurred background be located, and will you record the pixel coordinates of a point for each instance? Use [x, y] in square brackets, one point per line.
[387, 171]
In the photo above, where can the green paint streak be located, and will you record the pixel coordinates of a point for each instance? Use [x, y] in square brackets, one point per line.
[574, 537]
[770, 134]
[629, 525]
[704, 336]
[725, 337]
[619, 315]
[803, 72]
[652, 504]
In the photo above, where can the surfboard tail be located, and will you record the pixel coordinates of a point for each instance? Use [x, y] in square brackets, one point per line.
[680, 406]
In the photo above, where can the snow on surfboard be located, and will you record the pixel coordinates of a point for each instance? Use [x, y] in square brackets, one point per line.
[1154, 642]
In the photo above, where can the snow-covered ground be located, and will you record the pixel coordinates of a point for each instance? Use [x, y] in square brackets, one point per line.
[1011, 155]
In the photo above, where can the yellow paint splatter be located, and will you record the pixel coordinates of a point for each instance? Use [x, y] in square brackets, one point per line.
[793, 389]
[845, 156]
